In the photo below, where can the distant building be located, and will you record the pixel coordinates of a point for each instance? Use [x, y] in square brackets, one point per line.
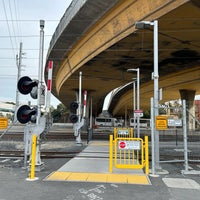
[7, 109]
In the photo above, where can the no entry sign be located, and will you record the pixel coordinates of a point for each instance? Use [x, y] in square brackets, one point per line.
[122, 144]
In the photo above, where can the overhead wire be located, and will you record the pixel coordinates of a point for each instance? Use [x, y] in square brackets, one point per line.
[9, 31]
[12, 24]
[18, 19]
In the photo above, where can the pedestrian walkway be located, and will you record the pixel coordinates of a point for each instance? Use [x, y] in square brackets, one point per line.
[92, 165]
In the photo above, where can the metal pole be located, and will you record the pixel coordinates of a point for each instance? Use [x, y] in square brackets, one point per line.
[91, 125]
[134, 103]
[185, 136]
[138, 101]
[152, 138]
[40, 71]
[155, 77]
[78, 138]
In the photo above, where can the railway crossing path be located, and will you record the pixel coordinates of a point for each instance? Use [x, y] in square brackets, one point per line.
[173, 185]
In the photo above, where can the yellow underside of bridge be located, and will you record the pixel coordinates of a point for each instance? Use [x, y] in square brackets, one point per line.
[112, 45]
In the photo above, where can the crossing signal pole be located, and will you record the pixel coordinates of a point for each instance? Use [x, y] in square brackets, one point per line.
[40, 90]
[26, 113]
[77, 115]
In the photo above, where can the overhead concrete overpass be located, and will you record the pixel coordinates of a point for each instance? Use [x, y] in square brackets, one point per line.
[99, 38]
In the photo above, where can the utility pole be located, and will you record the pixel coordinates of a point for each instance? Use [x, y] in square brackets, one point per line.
[19, 67]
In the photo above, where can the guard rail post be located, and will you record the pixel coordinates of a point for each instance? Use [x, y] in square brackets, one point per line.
[146, 155]
[111, 154]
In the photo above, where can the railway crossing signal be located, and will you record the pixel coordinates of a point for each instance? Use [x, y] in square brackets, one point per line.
[73, 108]
[27, 86]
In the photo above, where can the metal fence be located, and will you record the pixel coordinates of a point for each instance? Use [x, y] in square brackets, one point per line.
[178, 144]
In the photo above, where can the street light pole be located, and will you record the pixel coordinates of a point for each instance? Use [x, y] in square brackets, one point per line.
[145, 25]
[134, 102]
[156, 90]
[138, 98]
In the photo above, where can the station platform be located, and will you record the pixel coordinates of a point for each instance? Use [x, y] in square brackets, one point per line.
[92, 165]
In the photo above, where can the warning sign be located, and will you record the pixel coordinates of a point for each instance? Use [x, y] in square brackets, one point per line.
[3, 123]
[161, 122]
[134, 145]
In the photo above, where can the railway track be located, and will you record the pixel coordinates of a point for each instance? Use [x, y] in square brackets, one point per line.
[58, 136]
[63, 136]
[65, 154]
[44, 154]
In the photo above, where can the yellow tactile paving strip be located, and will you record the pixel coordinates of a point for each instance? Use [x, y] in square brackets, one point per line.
[98, 177]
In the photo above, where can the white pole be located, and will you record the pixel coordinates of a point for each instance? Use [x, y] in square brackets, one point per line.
[40, 70]
[156, 77]
[80, 97]
[138, 101]
[78, 138]
[84, 103]
[185, 136]
[152, 138]
[134, 105]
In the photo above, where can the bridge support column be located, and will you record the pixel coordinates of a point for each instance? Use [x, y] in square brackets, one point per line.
[189, 96]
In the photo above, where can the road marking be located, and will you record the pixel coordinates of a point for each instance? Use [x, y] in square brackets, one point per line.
[181, 183]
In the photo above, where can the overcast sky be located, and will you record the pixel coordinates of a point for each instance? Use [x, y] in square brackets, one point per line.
[19, 22]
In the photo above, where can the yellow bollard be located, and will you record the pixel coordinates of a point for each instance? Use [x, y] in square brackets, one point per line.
[115, 132]
[146, 155]
[111, 154]
[132, 133]
[33, 156]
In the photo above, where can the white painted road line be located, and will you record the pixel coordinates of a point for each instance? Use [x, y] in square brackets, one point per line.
[181, 183]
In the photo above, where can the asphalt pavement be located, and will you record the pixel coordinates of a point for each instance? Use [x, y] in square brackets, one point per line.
[167, 186]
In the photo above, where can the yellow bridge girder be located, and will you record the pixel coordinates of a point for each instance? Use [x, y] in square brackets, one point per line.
[111, 45]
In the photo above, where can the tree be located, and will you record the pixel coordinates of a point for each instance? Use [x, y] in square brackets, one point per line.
[60, 113]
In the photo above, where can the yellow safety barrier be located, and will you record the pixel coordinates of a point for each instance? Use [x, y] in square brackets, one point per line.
[33, 155]
[129, 153]
[123, 133]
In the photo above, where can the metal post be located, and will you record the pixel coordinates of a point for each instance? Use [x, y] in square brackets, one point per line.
[138, 101]
[40, 71]
[134, 103]
[152, 138]
[146, 140]
[111, 154]
[156, 77]
[91, 113]
[144, 25]
[138, 98]
[78, 138]
[185, 136]
[33, 159]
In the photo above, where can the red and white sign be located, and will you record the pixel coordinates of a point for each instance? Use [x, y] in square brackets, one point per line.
[138, 113]
[122, 144]
[134, 145]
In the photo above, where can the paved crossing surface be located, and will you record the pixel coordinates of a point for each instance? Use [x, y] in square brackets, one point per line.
[171, 186]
